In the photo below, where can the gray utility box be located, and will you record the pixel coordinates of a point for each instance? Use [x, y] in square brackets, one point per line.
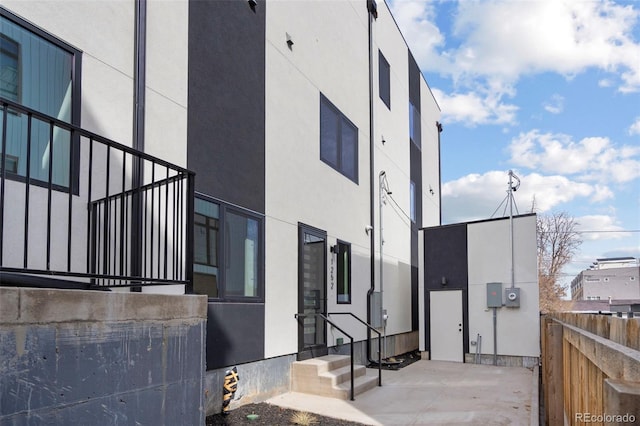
[494, 295]
[512, 297]
[376, 305]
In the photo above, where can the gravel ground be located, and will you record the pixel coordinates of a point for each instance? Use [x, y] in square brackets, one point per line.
[272, 415]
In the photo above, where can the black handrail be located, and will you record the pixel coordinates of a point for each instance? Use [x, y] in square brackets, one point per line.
[379, 341]
[327, 320]
[129, 241]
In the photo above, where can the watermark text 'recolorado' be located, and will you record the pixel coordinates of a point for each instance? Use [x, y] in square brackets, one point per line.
[605, 418]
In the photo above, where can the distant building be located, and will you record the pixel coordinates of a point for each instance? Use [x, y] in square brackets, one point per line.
[608, 279]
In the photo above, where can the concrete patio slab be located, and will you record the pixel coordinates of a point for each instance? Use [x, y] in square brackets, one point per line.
[435, 393]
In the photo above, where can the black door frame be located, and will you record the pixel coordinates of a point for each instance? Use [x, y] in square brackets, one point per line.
[306, 352]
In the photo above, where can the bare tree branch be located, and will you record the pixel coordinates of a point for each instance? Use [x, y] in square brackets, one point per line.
[558, 242]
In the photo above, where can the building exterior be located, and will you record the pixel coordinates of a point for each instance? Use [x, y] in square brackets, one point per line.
[314, 139]
[294, 126]
[608, 279]
[481, 297]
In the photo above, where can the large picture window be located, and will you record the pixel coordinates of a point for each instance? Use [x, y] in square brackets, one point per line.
[42, 73]
[338, 140]
[228, 250]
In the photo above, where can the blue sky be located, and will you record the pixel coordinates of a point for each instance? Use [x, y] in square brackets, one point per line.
[547, 88]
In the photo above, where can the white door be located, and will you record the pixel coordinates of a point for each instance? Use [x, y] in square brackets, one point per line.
[445, 322]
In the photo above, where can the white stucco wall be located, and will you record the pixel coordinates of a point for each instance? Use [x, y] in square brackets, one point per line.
[330, 56]
[104, 32]
[489, 258]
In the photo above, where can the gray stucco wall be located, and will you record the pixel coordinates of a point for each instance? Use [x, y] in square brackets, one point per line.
[101, 358]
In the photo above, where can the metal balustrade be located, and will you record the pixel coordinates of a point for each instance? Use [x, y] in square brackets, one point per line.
[96, 213]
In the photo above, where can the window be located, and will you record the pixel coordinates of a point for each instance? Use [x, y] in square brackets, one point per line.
[414, 125]
[37, 71]
[384, 80]
[9, 74]
[228, 252]
[344, 272]
[338, 140]
[205, 256]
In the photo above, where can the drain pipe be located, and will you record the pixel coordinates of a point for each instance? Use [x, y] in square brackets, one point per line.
[383, 191]
[372, 216]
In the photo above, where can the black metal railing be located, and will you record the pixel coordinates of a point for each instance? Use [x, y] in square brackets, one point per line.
[327, 320]
[337, 327]
[78, 206]
[379, 340]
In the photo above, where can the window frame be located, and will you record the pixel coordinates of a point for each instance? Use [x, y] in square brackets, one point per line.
[384, 79]
[76, 107]
[343, 248]
[225, 209]
[341, 121]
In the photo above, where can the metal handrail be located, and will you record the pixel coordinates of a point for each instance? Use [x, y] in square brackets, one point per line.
[379, 341]
[327, 320]
[120, 246]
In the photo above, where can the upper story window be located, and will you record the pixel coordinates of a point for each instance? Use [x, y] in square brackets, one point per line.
[42, 73]
[338, 140]
[415, 127]
[384, 80]
[228, 253]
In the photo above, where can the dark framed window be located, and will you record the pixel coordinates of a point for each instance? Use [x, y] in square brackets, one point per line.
[415, 127]
[43, 73]
[338, 140]
[344, 272]
[384, 80]
[9, 68]
[228, 252]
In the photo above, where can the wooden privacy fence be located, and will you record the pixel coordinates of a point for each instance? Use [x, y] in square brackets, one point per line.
[590, 369]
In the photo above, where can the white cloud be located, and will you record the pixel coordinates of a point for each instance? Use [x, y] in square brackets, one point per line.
[605, 227]
[555, 105]
[472, 108]
[416, 20]
[508, 39]
[591, 159]
[479, 196]
[634, 129]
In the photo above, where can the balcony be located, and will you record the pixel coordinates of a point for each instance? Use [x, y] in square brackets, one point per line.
[87, 212]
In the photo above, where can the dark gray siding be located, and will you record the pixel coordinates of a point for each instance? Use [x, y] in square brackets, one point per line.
[226, 124]
[415, 159]
[226, 144]
[445, 255]
[235, 334]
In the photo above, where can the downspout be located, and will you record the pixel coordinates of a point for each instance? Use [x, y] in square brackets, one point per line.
[139, 85]
[439, 126]
[371, 7]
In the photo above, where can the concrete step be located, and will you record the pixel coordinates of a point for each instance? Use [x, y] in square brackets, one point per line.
[360, 385]
[322, 364]
[330, 376]
[342, 374]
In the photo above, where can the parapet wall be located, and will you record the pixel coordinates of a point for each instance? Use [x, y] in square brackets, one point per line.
[87, 357]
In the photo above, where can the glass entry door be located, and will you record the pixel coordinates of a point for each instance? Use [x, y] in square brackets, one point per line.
[312, 292]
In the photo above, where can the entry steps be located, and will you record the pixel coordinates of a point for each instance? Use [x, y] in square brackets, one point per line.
[330, 376]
